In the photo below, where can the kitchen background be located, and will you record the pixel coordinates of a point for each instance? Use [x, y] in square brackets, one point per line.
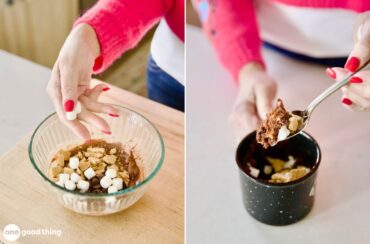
[36, 30]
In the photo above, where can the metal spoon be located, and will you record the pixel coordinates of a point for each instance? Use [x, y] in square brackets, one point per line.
[306, 114]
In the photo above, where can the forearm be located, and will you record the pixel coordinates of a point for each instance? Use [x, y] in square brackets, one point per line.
[87, 36]
[119, 25]
[231, 27]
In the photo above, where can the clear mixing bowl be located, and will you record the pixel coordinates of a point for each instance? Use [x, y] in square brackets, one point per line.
[51, 136]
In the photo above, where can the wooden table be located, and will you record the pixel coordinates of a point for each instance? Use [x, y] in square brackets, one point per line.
[157, 218]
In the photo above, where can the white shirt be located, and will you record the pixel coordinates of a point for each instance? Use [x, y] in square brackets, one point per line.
[168, 52]
[315, 32]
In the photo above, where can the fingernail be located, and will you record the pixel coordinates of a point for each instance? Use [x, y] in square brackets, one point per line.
[114, 115]
[355, 80]
[330, 72]
[347, 101]
[69, 105]
[106, 88]
[352, 64]
[106, 132]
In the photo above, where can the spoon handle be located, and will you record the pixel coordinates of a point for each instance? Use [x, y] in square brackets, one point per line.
[333, 88]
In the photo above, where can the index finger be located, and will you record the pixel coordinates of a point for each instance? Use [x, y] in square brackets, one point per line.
[55, 94]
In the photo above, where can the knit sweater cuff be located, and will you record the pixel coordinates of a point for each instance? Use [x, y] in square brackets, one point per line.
[106, 42]
[237, 54]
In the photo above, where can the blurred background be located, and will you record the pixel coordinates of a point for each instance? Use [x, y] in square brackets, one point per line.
[36, 30]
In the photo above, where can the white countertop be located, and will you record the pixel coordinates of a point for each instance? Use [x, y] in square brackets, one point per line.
[215, 213]
[23, 100]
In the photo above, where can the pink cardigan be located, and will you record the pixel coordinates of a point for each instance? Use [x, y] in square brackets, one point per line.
[120, 24]
[232, 27]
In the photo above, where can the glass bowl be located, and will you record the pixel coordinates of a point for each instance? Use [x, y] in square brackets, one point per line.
[130, 127]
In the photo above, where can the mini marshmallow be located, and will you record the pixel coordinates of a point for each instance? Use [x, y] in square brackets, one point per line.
[71, 115]
[89, 173]
[63, 178]
[267, 170]
[83, 185]
[112, 189]
[283, 133]
[290, 163]
[70, 185]
[106, 182]
[61, 184]
[112, 173]
[254, 172]
[74, 162]
[75, 177]
[118, 183]
[78, 108]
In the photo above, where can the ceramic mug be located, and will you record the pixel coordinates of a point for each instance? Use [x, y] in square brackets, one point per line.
[282, 203]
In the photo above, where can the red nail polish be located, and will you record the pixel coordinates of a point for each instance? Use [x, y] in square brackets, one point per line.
[69, 105]
[352, 64]
[106, 88]
[114, 115]
[347, 101]
[355, 80]
[330, 72]
[106, 132]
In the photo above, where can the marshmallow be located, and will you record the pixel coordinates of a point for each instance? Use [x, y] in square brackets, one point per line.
[112, 173]
[78, 108]
[290, 163]
[283, 133]
[71, 115]
[70, 185]
[74, 162]
[89, 173]
[254, 172]
[61, 184]
[75, 177]
[106, 182]
[112, 189]
[63, 178]
[118, 183]
[83, 185]
[267, 170]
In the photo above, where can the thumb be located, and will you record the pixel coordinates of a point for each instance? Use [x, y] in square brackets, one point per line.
[360, 53]
[69, 90]
[336, 73]
[264, 98]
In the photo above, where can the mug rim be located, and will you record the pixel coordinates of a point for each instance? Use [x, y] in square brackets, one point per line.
[279, 185]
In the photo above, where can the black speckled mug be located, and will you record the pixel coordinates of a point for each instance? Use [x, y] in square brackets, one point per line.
[283, 203]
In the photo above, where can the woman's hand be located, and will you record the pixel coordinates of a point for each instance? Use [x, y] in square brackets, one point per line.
[356, 95]
[70, 81]
[256, 93]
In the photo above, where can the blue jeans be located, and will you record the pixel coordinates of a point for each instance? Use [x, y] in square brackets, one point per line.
[328, 62]
[163, 88]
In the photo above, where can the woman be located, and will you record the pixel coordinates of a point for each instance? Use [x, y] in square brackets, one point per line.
[99, 37]
[317, 31]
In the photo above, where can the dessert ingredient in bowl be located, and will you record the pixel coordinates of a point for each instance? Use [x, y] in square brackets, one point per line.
[279, 171]
[278, 125]
[283, 133]
[267, 169]
[288, 175]
[95, 167]
[268, 130]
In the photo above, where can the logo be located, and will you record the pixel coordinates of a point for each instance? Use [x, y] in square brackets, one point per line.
[11, 232]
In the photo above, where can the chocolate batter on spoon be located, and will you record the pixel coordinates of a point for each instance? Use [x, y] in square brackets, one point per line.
[278, 125]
